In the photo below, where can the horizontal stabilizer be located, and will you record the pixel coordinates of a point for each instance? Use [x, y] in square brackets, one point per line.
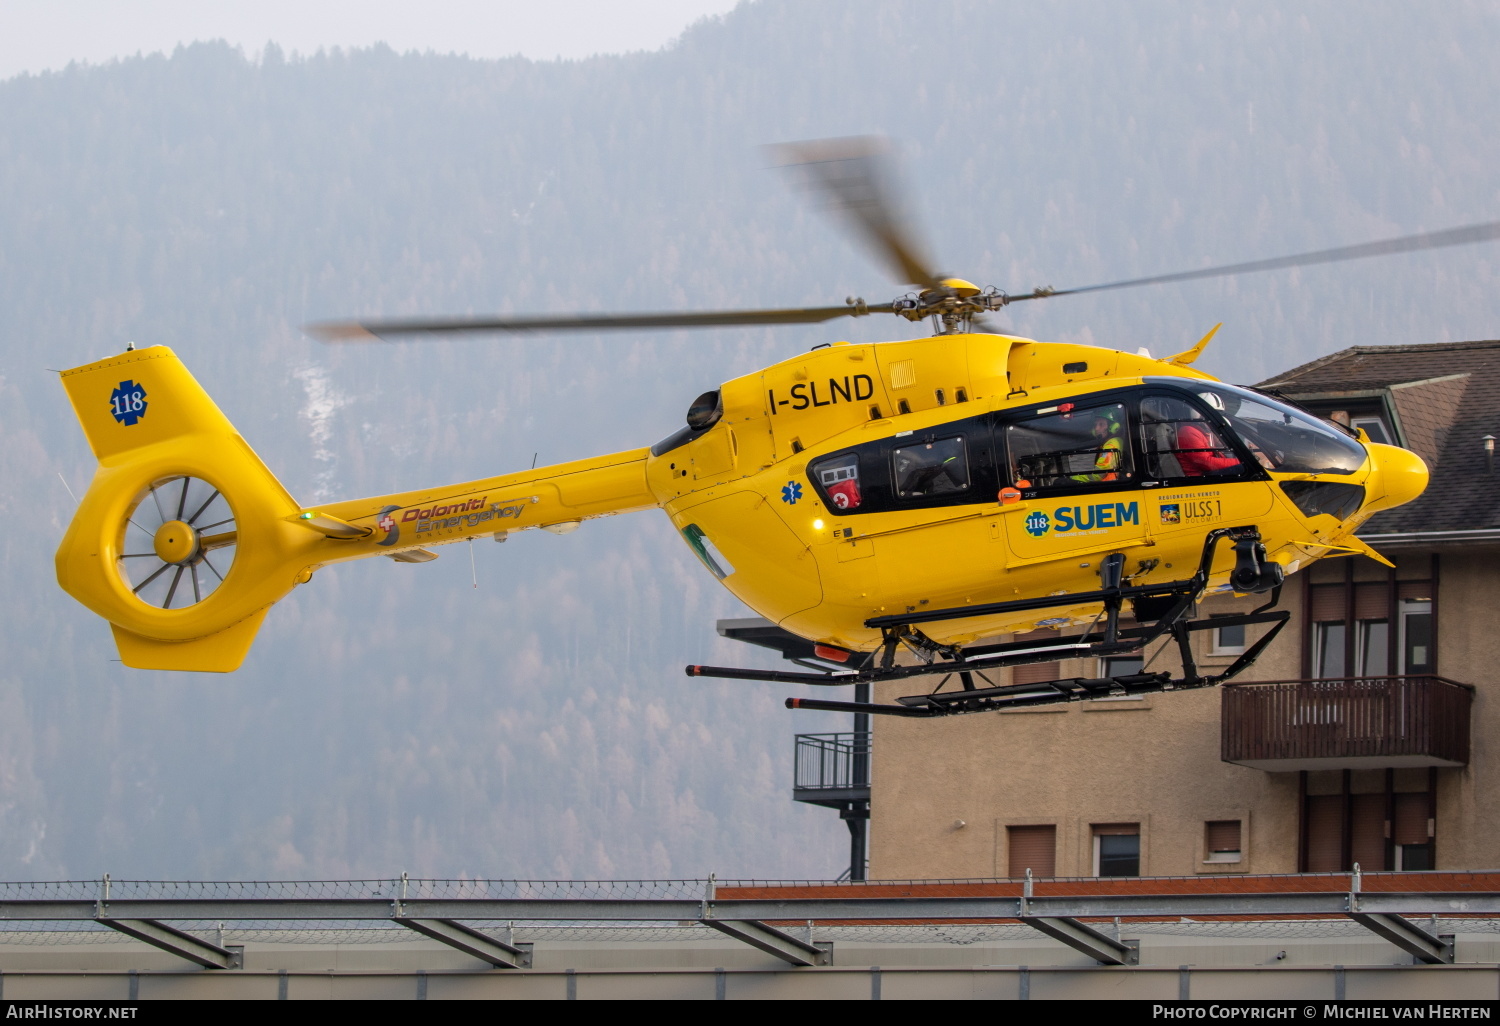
[218, 653]
[327, 525]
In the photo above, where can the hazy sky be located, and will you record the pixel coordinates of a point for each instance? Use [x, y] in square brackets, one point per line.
[40, 35]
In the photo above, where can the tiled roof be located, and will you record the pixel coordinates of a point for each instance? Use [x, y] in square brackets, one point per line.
[1447, 398]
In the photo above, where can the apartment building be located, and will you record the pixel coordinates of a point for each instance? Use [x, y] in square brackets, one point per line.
[1365, 734]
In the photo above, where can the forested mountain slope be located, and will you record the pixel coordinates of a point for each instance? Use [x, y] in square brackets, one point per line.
[394, 717]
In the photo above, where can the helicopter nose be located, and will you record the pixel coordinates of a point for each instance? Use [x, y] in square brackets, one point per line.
[1400, 476]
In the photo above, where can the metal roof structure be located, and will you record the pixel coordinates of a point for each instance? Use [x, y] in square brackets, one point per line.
[1242, 936]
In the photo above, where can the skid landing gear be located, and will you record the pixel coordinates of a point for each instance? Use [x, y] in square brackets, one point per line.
[1160, 610]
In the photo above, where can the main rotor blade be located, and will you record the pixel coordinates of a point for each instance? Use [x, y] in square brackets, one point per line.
[855, 174]
[1403, 244]
[368, 331]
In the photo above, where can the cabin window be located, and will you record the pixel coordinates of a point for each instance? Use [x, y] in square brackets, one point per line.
[1071, 447]
[837, 479]
[937, 467]
[705, 551]
[1178, 441]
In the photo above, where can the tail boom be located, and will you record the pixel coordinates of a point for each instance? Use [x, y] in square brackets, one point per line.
[566, 493]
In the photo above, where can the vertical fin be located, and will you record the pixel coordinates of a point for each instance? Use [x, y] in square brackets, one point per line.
[1186, 357]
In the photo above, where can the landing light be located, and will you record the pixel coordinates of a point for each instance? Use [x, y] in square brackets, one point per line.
[817, 525]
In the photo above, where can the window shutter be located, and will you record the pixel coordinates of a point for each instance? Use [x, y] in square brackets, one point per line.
[1411, 818]
[1327, 603]
[1325, 833]
[1372, 602]
[1034, 673]
[1031, 847]
[1415, 589]
[1368, 833]
[1110, 829]
[1223, 835]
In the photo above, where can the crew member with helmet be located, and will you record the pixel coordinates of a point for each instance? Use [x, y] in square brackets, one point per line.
[1109, 439]
[1199, 451]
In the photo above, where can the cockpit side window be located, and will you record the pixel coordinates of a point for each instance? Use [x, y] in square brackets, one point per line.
[1069, 447]
[1179, 441]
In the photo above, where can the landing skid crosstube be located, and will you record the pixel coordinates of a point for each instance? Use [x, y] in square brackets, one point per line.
[1161, 610]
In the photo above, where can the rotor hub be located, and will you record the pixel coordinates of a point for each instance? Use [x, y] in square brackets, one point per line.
[177, 543]
[953, 304]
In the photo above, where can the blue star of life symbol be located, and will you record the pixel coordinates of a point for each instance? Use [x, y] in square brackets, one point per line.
[791, 492]
[1037, 524]
[128, 402]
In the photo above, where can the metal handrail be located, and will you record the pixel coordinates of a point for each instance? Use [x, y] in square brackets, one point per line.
[1370, 678]
[827, 761]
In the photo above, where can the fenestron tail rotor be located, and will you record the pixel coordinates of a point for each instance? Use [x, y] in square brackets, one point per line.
[179, 543]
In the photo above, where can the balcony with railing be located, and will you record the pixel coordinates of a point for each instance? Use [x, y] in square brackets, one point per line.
[832, 769]
[1353, 723]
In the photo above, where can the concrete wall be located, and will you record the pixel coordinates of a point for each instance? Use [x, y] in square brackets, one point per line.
[1469, 651]
[1446, 983]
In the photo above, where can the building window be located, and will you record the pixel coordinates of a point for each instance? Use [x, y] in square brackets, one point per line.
[1374, 427]
[1121, 666]
[1117, 849]
[1413, 831]
[1221, 841]
[1036, 673]
[1360, 821]
[1328, 651]
[1416, 636]
[1372, 652]
[1033, 848]
[1376, 611]
[1228, 640]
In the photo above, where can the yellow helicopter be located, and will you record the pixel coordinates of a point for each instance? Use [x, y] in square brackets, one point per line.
[920, 494]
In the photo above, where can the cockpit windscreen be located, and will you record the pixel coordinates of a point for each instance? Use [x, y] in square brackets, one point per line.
[1283, 439]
